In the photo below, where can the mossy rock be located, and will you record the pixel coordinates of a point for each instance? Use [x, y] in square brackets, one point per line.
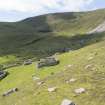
[49, 61]
[3, 74]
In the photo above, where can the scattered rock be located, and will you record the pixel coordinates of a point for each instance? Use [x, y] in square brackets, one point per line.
[53, 89]
[69, 66]
[88, 66]
[90, 58]
[10, 92]
[67, 102]
[40, 83]
[71, 80]
[49, 61]
[3, 74]
[28, 62]
[36, 78]
[80, 90]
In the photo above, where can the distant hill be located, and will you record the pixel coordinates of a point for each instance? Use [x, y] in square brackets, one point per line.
[80, 68]
[47, 34]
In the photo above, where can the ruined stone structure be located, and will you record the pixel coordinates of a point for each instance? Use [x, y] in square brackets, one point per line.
[28, 62]
[49, 61]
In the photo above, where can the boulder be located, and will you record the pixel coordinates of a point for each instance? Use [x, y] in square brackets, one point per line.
[3, 74]
[10, 92]
[67, 102]
[71, 80]
[28, 62]
[80, 90]
[49, 61]
[89, 66]
[36, 78]
[40, 83]
[69, 66]
[53, 89]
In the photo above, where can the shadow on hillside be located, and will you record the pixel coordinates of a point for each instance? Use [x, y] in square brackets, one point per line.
[53, 44]
[40, 41]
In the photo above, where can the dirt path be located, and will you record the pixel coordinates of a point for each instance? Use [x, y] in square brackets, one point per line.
[100, 28]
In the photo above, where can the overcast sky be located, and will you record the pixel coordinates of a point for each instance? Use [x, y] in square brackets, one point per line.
[14, 10]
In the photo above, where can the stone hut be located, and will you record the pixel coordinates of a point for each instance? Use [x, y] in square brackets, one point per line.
[49, 61]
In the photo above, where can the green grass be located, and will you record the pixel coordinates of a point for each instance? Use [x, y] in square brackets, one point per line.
[23, 39]
[29, 43]
[92, 79]
[6, 59]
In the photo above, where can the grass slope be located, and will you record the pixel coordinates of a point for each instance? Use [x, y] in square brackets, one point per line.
[68, 30]
[92, 79]
[26, 38]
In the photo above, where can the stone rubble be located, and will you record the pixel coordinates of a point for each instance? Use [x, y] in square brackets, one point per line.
[40, 83]
[80, 90]
[71, 80]
[67, 102]
[10, 92]
[53, 89]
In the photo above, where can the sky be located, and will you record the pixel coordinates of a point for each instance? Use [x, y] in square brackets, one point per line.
[15, 10]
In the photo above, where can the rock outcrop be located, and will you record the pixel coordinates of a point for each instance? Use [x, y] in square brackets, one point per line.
[10, 92]
[3, 74]
[28, 62]
[49, 61]
[67, 102]
[98, 29]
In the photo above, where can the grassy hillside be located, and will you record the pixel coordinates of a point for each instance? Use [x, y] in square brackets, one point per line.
[26, 38]
[92, 79]
[45, 35]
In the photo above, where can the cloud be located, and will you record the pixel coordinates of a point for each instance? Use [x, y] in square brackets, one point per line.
[19, 9]
[43, 5]
[16, 5]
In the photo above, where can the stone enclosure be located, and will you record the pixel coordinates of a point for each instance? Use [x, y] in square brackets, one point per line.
[49, 61]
